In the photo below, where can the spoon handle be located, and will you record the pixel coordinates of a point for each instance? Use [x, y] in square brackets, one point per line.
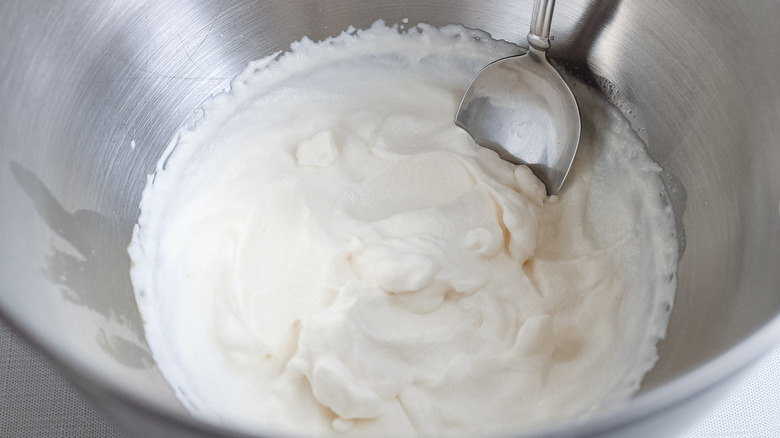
[539, 35]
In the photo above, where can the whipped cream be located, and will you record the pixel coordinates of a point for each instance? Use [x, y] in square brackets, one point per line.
[326, 252]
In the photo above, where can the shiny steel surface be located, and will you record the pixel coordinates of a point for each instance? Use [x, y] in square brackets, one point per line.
[92, 92]
[522, 108]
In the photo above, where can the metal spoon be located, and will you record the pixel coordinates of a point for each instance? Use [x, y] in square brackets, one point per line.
[521, 108]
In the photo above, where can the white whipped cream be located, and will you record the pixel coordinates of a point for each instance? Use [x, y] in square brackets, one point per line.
[326, 252]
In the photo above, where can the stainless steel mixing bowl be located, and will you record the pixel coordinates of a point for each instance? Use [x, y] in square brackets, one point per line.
[91, 93]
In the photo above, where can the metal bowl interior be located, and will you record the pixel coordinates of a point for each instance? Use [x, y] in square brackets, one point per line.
[92, 92]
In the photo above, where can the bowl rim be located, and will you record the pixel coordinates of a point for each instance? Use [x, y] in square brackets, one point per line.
[665, 397]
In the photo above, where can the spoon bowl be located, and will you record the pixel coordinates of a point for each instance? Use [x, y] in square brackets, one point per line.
[523, 109]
